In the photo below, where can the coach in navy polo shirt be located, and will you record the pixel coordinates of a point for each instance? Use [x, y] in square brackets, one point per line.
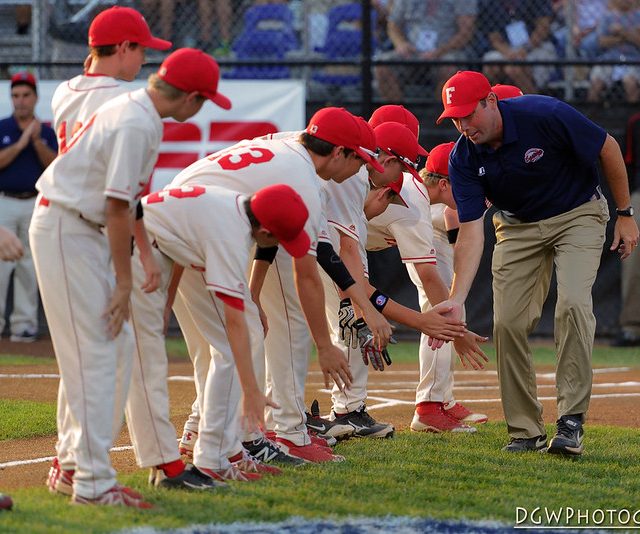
[26, 149]
[535, 159]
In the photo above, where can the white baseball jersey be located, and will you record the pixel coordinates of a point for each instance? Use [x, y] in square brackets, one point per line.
[75, 100]
[112, 155]
[345, 211]
[251, 165]
[409, 227]
[220, 248]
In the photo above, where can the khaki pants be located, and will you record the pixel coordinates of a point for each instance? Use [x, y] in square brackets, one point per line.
[523, 260]
[630, 314]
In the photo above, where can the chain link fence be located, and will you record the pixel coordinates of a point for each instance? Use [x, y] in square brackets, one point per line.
[364, 53]
[582, 50]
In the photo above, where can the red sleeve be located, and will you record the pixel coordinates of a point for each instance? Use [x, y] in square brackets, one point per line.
[234, 302]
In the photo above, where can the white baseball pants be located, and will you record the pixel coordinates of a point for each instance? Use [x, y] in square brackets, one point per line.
[72, 261]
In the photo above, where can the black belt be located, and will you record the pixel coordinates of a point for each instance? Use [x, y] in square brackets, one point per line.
[23, 195]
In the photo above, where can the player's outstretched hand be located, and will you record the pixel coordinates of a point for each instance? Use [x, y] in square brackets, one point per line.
[152, 272]
[455, 312]
[379, 326]
[469, 350]
[253, 406]
[10, 246]
[625, 236]
[334, 367]
[439, 323]
[118, 310]
[370, 352]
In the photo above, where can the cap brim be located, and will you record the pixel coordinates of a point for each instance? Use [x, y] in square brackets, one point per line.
[298, 246]
[422, 151]
[370, 160]
[457, 112]
[219, 99]
[157, 44]
[413, 172]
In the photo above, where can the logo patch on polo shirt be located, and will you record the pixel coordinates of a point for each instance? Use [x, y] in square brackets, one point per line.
[533, 154]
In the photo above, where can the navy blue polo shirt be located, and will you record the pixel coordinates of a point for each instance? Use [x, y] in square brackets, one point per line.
[23, 172]
[546, 165]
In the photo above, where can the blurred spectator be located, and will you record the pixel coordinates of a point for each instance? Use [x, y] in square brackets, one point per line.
[164, 12]
[619, 38]
[519, 30]
[584, 16]
[23, 19]
[425, 29]
[26, 148]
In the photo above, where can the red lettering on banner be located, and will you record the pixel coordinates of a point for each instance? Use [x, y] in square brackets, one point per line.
[239, 130]
[176, 160]
[186, 191]
[181, 131]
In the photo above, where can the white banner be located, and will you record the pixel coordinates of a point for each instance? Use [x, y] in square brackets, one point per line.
[259, 107]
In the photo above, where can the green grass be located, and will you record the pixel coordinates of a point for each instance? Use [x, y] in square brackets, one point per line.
[26, 419]
[407, 352]
[21, 359]
[451, 476]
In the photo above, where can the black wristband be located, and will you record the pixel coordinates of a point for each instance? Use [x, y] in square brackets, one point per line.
[333, 266]
[379, 300]
[139, 212]
[266, 253]
[452, 235]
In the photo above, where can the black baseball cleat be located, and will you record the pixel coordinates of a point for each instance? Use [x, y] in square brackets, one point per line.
[268, 452]
[537, 444]
[569, 437]
[324, 428]
[364, 426]
[190, 479]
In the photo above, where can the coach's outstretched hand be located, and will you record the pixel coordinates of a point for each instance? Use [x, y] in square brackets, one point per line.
[334, 366]
[469, 351]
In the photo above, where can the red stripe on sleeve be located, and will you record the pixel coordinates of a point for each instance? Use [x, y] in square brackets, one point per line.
[234, 302]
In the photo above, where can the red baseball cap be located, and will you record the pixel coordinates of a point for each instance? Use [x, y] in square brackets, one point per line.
[396, 113]
[506, 91]
[24, 78]
[283, 212]
[341, 128]
[461, 94]
[189, 69]
[117, 24]
[438, 160]
[398, 140]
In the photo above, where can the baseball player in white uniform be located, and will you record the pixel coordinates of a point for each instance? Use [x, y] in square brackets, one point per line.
[91, 186]
[334, 146]
[399, 150]
[215, 256]
[117, 40]
[410, 229]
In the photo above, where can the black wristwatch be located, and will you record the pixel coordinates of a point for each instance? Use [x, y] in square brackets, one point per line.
[625, 213]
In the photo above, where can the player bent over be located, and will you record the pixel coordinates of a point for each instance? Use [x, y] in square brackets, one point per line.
[209, 231]
[81, 236]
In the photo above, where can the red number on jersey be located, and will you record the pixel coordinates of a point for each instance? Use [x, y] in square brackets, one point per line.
[186, 191]
[240, 160]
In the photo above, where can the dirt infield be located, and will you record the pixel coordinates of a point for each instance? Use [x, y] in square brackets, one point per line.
[391, 399]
